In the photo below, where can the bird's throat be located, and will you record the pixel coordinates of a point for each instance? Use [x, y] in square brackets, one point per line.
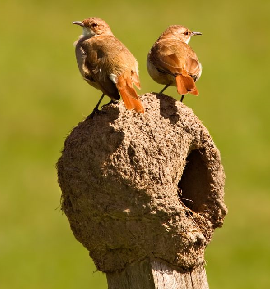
[88, 32]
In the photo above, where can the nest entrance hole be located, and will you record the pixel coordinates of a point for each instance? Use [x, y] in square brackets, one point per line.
[194, 186]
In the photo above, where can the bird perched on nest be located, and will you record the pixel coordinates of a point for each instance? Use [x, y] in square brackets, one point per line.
[106, 64]
[171, 61]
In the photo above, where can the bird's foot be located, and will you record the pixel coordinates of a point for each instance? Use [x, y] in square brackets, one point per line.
[96, 110]
[182, 98]
[111, 102]
[93, 113]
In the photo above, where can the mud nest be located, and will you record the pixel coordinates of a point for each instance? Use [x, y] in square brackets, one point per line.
[138, 186]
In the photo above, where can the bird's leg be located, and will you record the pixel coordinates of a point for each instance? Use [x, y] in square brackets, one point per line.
[95, 110]
[164, 88]
[182, 98]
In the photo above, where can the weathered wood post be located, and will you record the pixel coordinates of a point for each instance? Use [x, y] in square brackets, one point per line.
[144, 193]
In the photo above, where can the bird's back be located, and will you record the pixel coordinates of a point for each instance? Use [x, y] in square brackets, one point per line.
[100, 57]
[172, 56]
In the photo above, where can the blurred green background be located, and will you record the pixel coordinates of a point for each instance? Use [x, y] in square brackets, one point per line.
[42, 96]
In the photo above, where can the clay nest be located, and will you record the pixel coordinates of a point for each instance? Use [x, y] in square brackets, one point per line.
[138, 186]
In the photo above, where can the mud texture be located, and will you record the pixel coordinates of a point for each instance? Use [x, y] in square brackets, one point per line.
[138, 186]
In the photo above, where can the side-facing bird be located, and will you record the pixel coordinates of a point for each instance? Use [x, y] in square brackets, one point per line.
[106, 64]
[171, 61]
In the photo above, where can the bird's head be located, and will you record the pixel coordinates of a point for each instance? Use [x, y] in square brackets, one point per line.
[94, 26]
[180, 32]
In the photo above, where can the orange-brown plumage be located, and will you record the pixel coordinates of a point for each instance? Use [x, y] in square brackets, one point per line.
[129, 95]
[106, 64]
[171, 61]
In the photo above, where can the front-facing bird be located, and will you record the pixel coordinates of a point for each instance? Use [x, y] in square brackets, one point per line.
[106, 64]
[171, 61]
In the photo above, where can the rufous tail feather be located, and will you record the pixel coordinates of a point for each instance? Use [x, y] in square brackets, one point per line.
[185, 84]
[129, 94]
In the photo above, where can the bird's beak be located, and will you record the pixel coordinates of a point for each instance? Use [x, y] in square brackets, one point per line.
[78, 23]
[193, 33]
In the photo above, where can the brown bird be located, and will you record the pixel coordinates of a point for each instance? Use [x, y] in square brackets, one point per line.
[106, 64]
[171, 61]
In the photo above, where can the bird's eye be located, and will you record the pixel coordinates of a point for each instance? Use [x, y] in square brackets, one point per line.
[186, 33]
[94, 25]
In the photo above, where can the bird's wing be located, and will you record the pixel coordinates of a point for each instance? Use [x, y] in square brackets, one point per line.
[81, 60]
[193, 67]
[165, 57]
[166, 61]
[174, 56]
[97, 67]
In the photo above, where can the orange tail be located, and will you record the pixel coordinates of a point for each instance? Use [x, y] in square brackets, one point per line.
[185, 84]
[129, 94]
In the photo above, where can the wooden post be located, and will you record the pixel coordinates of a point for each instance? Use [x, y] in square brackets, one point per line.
[144, 193]
[156, 274]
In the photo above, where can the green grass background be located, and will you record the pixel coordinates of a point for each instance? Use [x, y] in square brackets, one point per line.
[42, 96]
